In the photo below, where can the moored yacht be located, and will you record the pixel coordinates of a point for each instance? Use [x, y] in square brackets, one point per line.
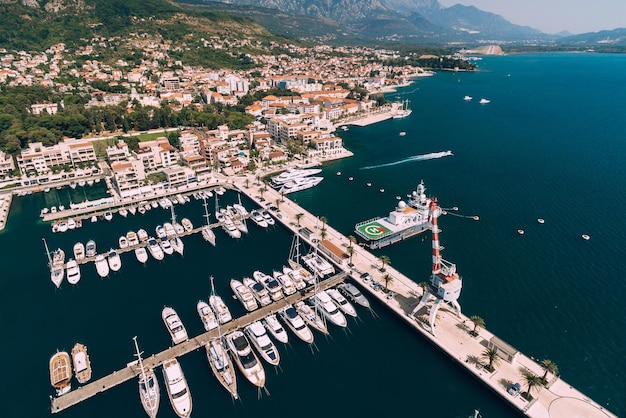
[221, 310]
[177, 389]
[318, 265]
[300, 184]
[132, 238]
[272, 324]
[258, 219]
[155, 249]
[90, 248]
[82, 365]
[222, 365]
[292, 174]
[229, 227]
[258, 290]
[61, 372]
[123, 242]
[262, 342]
[149, 392]
[187, 225]
[174, 325]
[289, 287]
[207, 316]
[354, 294]
[245, 358]
[73, 272]
[141, 254]
[328, 308]
[79, 251]
[342, 303]
[115, 262]
[311, 317]
[166, 246]
[268, 218]
[142, 234]
[208, 235]
[271, 284]
[177, 244]
[244, 294]
[296, 324]
[57, 271]
[296, 277]
[102, 266]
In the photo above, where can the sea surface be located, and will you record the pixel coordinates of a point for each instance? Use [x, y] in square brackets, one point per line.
[550, 144]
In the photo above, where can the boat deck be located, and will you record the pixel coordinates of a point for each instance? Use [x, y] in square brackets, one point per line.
[132, 369]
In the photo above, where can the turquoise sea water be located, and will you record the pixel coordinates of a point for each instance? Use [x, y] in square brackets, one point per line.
[549, 145]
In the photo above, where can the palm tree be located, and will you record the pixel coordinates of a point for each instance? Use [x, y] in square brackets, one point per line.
[532, 380]
[491, 354]
[298, 217]
[282, 197]
[262, 190]
[352, 239]
[549, 367]
[247, 182]
[323, 219]
[350, 251]
[387, 279]
[323, 234]
[478, 323]
[257, 178]
[384, 260]
[278, 203]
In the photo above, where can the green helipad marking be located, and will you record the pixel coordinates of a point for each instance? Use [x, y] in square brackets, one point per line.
[373, 230]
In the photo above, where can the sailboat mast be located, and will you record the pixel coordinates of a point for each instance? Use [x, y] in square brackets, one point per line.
[143, 373]
[206, 211]
[47, 252]
[219, 327]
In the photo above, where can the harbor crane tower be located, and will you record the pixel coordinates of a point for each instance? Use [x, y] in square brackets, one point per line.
[445, 283]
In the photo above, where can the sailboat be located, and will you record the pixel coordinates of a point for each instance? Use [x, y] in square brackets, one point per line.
[207, 232]
[149, 392]
[175, 241]
[220, 362]
[56, 269]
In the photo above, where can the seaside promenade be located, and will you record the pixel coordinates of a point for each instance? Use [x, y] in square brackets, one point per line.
[557, 399]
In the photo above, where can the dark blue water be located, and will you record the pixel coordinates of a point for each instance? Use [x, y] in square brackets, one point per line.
[550, 144]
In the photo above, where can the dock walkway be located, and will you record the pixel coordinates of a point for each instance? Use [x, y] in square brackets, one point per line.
[132, 369]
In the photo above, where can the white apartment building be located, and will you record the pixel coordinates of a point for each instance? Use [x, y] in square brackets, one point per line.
[40, 158]
[6, 163]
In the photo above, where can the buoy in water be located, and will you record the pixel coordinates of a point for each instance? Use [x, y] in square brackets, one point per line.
[338, 173]
[585, 237]
[520, 231]
[541, 220]
[369, 184]
[350, 178]
[475, 217]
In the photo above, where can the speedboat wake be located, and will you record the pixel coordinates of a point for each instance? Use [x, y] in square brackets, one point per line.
[431, 156]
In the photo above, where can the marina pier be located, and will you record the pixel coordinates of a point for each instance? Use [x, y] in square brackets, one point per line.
[557, 399]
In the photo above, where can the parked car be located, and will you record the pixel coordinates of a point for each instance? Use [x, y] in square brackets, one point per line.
[514, 389]
[366, 277]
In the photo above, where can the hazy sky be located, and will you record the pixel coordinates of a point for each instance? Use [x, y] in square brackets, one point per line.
[552, 16]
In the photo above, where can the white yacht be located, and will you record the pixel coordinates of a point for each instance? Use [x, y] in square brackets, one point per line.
[155, 249]
[132, 210]
[115, 262]
[245, 358]
[61, 372]
[296, 324]
[273, 325]
[258, 219]
[222, 365]
[81, 363]
[177, 388]
[208, 235]
[271, 284]
[141, 254]
[79, 251]
[108, 215]
[354, 294]
[73, 272]
[262, 342]
[229, 227]
[149, 392]
[325, 304]
[90, 248]
[166, 246]
[160, 231]
[289, 287]
[292, 174]
[187, 225]
[268, 218]
[102, 266]
[244, 294]
[57, 272]
[169, 230]
[221, 310]
[467, 98]
[132, 238]
[258, 290]
[296, 277]
[173, 324]
[311, 317]
[342, 303]
[123, 212]
[207, 316]
[300, 184]
[484, 101]
[241, 210]
[122, 242]
[318, 265]
[142, 234]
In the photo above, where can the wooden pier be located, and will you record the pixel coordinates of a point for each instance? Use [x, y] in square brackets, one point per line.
[132, 369]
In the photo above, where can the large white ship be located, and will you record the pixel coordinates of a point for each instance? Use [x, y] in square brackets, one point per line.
[291, 174]
[300, 183]
[407, 219]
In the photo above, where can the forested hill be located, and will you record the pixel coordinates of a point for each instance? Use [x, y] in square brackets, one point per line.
[34, 25]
